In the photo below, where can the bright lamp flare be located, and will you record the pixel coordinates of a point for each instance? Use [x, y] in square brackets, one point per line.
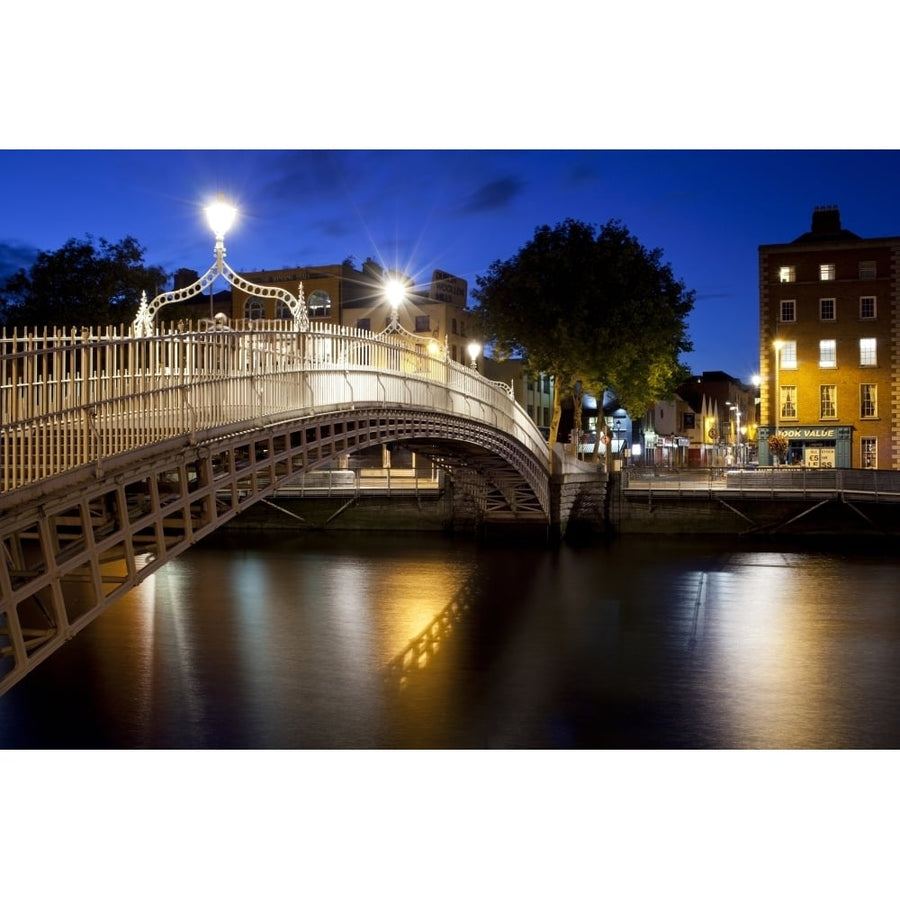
[220, 216]
[395, 292]
[474, 350]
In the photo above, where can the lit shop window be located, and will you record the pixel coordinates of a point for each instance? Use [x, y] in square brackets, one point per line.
[868, 401]
[788, 310]
[826, 272]
[827, 309]
[827, 354]
[867, 353]
[867, 307]
[827, 401]
[787, 273]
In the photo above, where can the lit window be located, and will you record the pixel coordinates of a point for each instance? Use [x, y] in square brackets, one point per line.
[868, 401]
[827, 401]
[869, 451]
[319, 304]
[827, 354]
[788, 355]
[868, 269]
[868, 355]
[867, 307]
[827, 307]
[826, 272]
[788, 310]
[788, 401]
[787, 273]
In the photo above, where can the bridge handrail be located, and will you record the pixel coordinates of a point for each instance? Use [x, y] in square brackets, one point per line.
[73, 398]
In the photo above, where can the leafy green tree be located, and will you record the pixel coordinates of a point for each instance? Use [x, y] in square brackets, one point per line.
[592, 308]
[81, 284]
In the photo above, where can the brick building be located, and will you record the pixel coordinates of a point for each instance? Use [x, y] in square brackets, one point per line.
[829, 305]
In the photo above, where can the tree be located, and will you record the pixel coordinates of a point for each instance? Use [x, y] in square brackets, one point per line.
[80, 284]
[590, 307]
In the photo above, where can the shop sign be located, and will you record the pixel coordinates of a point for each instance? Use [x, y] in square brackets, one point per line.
[809, 434]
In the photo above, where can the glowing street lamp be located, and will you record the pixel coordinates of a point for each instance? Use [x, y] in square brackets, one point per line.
[220, 216]
[396, 294]
[474, 351]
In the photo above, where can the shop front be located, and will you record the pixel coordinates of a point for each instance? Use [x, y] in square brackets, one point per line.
[814, 446]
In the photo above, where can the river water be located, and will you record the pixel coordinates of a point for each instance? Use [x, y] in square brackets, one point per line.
[346, 640]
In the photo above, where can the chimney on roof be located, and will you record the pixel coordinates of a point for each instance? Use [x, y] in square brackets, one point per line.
[826, 220]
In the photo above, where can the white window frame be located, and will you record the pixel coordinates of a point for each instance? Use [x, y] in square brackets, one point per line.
[827, 272]
[787, 305]
[868, 352]
[868, 452]
[822, 302]
[862, 301]
[868, 401]
[788, 401]
[788, 355]
[827, 401]
[828, 353]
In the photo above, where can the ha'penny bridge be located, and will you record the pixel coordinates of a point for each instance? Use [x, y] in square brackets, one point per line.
[123, 447]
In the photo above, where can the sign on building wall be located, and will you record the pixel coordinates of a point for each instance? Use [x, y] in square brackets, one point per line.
[447, 288]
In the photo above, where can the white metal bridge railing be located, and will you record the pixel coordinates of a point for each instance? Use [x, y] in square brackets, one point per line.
[69, 399]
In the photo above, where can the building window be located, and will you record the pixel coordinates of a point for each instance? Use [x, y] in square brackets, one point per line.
[423, 323]
[827, 401]
[319, 304]
[788, 310]
[826, 272]
[827, 354]
[282, 310]
[689, 420]
[868, 269]
[788, 355]
[867, 307]
[788, 401]
[454, 326]
[827, 309]
[868, 451]
[867, 352]
[364, 324]
[868, 401]
[254, 309]
[787, 273]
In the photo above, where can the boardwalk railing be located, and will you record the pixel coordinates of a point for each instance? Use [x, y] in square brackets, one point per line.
[75, 398]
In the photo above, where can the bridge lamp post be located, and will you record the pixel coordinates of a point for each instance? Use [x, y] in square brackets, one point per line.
[474, 351]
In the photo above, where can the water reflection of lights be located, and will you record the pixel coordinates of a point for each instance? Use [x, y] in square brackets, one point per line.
[423, 648]
[769, 659]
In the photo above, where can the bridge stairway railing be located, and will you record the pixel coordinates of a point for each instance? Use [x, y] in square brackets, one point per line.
[74, 398]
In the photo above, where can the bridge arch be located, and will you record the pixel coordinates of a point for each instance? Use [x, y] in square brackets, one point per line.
[75, 544]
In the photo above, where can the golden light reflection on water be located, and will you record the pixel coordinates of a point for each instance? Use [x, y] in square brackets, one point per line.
[770, 653]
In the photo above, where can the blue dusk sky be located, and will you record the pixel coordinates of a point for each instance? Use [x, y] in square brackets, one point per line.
[457, 210]
[444, 144]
